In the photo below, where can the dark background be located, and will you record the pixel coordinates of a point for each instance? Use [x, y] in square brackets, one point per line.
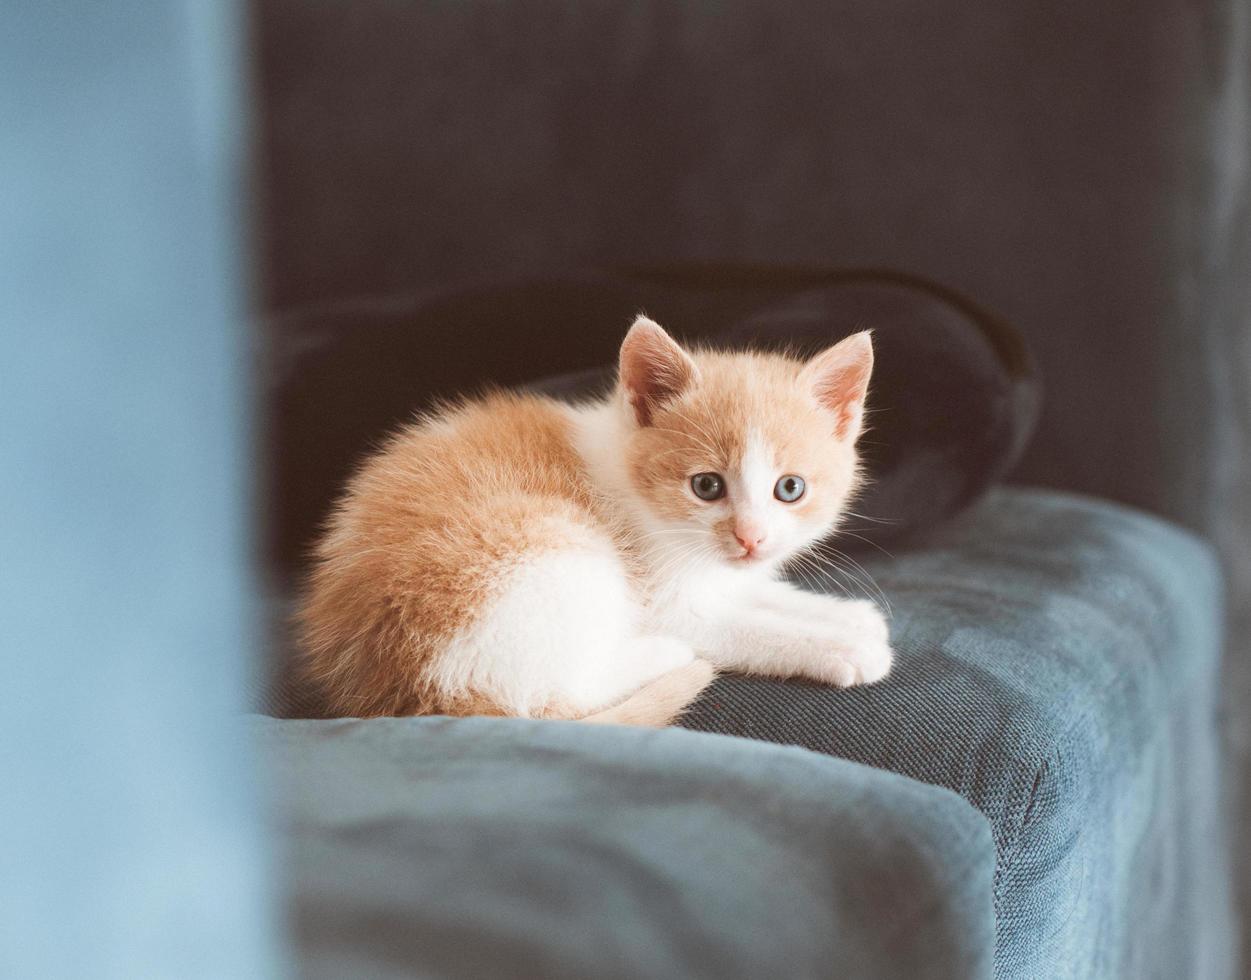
[1082, 169]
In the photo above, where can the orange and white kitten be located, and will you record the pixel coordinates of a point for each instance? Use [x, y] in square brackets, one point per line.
[519, 556]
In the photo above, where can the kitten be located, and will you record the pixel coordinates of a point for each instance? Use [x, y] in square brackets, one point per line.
[518, 556]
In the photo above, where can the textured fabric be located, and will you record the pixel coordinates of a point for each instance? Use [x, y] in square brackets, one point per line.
[483, 848]
[931, 347]
[130, 841]
[1082, 168]
[1057, 667]
[1058, 661]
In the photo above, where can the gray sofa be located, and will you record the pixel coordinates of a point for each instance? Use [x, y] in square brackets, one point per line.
[1038, 789]
[1057, 668]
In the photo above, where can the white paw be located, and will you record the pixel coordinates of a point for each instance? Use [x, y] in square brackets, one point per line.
[834, 670]
[847, 668]
[862, 620]
[868, 641]
[658, 655]
[860, 652]
[872, 662]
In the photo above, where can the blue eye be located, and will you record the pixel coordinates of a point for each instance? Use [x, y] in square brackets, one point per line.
[708, 486]
[789, 489]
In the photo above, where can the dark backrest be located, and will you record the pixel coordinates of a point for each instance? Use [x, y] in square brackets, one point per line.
[1080, 168]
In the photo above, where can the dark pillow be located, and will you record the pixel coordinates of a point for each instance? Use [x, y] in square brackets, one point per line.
[953, 400]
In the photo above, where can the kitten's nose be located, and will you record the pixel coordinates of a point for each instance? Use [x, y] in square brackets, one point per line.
[750, 536]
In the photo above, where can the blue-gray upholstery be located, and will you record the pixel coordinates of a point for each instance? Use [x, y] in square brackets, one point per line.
[132, 845]
[1083, 169]
[1058, 667]
[500, 848]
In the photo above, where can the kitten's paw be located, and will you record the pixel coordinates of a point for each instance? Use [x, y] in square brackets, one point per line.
[861, 653]
[834, 670]
[862, 622]
[872, 663]
[656, 655]
[849, 667]
[866, 637]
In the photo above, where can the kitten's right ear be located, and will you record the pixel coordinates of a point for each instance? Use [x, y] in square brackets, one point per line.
[653, 368]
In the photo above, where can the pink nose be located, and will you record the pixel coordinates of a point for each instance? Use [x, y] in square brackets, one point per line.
[749, 536]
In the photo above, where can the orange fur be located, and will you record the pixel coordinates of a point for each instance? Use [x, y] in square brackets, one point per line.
[431, 525]
[706, 427]
[660, 702]
[422, 532]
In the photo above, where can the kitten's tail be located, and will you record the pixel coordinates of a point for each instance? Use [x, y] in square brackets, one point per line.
[659, 703]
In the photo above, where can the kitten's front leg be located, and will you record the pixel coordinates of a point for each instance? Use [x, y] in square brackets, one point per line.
[781, 632]
[857, 615]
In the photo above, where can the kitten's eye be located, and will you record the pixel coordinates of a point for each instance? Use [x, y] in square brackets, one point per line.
[789, 489]
[708, 486]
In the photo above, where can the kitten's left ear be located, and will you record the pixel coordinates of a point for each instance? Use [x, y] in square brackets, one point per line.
[653, 369]
[839, 380]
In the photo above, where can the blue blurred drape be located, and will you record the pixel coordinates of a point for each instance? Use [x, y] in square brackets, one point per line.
[129, 845]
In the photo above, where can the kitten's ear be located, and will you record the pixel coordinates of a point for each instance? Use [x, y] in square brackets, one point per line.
[653, 368]
[839, 379]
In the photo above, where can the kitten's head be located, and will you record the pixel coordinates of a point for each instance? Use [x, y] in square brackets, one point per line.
[742, 458]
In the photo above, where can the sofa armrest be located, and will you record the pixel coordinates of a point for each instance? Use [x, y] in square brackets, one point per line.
[499, 847]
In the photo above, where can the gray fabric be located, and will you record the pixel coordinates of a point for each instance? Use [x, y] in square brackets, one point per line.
[1083, 168]
[1058, 662]
[1058, 666]
[484, 848]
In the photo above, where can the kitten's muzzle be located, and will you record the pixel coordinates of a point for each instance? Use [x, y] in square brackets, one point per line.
[750, 537]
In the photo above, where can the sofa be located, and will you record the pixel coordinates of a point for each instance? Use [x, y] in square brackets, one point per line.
[1044, 785]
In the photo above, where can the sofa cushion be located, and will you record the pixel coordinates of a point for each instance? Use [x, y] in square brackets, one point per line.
[1057, 661]
[484, 848]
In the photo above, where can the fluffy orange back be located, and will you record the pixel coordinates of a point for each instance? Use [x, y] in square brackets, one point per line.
[421, 535]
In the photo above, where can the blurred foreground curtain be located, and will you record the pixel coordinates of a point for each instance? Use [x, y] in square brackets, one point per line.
[130, 847]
